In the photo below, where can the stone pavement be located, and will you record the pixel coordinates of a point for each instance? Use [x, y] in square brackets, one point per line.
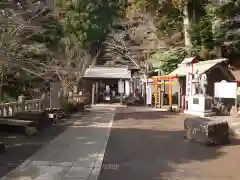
[77, 153]
[149, 145]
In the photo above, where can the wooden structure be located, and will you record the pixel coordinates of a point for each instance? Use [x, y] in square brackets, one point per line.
[156, 83]
[100, 76]
[216, 70]
[9, 109]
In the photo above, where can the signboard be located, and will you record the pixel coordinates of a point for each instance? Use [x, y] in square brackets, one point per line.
[127, 88]
[225, 90]
[149, 94]
[120, 87]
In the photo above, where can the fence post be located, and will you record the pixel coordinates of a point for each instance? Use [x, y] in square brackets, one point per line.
[21, 101]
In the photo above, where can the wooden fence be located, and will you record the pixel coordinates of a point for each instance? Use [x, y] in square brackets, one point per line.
[8, 109]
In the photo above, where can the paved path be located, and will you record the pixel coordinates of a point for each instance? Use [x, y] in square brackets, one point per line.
[77, 153]
[148, 145]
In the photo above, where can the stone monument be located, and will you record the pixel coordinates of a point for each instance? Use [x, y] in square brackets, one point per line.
[54, 95]
[200, 103]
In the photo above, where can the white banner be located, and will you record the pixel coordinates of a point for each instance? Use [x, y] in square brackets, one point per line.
[127, 88]
[120, 87]
[149, 94]
[225, 90]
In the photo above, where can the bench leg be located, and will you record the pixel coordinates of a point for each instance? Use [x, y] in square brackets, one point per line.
[2, 147]
[30, 130]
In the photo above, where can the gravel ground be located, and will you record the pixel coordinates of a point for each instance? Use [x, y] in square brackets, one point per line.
[150, 146]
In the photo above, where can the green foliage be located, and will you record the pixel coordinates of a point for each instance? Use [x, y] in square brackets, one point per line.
[168, 18]
[172, 59]
[85, 22]
[168, 60]
[201, 33]
[218, 27]
[33, 36]
[227, 33]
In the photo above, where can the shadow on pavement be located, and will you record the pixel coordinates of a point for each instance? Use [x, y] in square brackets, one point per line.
[154, 150]
[20, 147]
[155, 115]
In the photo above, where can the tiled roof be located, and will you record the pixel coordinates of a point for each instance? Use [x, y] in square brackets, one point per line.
[108, 72]
[201, 67]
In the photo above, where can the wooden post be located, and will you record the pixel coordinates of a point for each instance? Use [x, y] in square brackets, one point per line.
[236, 101]
[93, 94]
[121, 98]
[164, 90]
[156, 92]
[145, 93]
[170, 93]
[179, 93]
[159, 90]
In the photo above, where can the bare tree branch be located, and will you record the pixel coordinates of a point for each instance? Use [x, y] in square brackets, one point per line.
[117, 46]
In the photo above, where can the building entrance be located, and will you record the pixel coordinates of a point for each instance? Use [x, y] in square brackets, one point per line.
[107, 92]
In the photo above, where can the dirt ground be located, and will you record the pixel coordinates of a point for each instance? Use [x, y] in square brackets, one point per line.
[150, 146]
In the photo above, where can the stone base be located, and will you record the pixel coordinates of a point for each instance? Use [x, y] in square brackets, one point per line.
[199, 105]
[198, 113]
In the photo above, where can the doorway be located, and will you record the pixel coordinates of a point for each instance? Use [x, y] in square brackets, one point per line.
[107, 91]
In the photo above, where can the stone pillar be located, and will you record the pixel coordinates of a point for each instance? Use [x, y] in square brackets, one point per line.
[54, 98]
[21, 101]
[93, 94]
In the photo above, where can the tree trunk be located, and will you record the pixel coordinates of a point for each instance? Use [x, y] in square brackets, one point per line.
[215, 27]
[186, 23]
[1, 84]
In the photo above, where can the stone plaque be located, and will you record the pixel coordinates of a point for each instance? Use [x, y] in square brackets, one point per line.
[195, 101]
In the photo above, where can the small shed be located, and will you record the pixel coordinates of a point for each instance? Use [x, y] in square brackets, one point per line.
[216, 70]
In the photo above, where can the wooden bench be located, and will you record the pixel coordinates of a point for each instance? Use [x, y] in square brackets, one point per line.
[40, 118]
[29, 126]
